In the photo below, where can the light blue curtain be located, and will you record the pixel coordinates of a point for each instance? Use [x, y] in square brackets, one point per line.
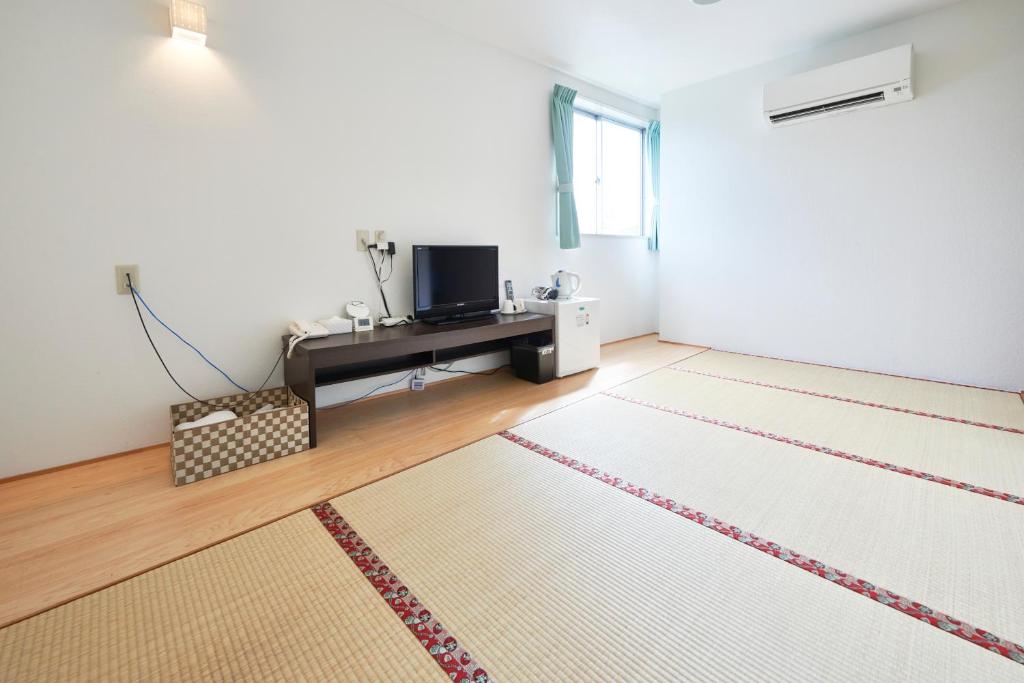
[654, 159]
[567, 223]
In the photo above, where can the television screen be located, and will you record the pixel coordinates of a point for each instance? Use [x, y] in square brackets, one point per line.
[454, 281]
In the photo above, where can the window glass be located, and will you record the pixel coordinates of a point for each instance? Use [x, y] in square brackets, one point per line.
[608, 175]
[584, 171]
[622, 179]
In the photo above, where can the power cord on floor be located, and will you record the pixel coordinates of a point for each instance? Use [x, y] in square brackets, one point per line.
[410, 374]
[375, 390]
[136, 298]
[486, 373]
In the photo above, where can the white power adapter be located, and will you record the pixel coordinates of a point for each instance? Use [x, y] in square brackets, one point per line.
[419, 379]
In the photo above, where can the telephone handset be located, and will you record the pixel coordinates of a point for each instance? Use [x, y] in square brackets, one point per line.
[307, 330]
[303, 329]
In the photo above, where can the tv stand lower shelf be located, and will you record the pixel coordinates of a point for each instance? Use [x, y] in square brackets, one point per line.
[345, 357]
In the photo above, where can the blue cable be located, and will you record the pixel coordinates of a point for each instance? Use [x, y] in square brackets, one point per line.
[376, 389]
[167, 327]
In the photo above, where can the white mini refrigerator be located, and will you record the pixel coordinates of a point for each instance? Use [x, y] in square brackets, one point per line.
[577, 332]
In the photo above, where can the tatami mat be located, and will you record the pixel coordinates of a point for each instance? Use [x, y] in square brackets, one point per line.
[282, 603]
[982, 457]
[951, 550]
[558, 576]
[545, 573]
[980, 405]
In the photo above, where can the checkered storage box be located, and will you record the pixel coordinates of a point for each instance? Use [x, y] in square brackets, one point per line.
[207, 451]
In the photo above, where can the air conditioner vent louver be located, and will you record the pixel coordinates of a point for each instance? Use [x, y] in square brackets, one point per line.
[875, 80]
[816, 110]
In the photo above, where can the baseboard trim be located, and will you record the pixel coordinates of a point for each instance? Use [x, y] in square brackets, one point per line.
[82, 463]
[675, 343]
[166, 444]
[626, 339]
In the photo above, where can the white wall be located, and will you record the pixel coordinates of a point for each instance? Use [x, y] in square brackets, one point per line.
[236, 177]
[889, 239]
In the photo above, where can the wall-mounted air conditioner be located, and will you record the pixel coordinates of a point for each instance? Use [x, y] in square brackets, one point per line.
[872, 81]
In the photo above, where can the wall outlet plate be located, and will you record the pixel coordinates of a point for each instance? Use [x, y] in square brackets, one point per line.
[380, 236]
[121, 274]
[362, 239]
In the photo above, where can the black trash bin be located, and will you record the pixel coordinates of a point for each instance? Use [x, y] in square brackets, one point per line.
[534, 363]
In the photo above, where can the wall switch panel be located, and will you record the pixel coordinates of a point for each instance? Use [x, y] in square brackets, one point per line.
[121, 274]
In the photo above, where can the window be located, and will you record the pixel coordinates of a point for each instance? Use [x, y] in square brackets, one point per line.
[608, 175]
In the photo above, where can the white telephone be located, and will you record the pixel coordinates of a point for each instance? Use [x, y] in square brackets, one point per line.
[307, 330]
[303, 329]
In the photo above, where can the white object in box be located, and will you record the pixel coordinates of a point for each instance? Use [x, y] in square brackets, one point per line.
[577, 332]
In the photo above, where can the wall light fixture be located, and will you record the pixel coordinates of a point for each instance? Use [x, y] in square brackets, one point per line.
[188, 21]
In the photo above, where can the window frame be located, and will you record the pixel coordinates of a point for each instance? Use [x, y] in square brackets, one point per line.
[601, 114]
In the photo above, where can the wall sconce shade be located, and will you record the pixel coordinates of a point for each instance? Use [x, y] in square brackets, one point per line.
[188, 21]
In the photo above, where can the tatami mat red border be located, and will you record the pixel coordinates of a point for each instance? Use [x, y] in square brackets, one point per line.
[911, 608]
[846, 399]
[870, 372]
[456, 662]
[899, 469]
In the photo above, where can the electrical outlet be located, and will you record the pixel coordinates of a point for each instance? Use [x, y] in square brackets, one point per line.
[362, 239]
[121, 274]
[380, 236]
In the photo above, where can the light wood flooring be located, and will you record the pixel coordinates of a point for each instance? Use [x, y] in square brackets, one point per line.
[67, 533]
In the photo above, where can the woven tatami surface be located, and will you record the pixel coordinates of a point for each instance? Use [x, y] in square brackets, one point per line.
[545, 573]
[281, 603]
[981, 405]
[950, 549]
[979, 456]
[552, 575]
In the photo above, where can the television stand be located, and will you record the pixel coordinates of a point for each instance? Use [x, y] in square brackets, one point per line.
[382, 350]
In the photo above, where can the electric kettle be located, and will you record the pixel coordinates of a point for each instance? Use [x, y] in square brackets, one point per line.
[563, 282]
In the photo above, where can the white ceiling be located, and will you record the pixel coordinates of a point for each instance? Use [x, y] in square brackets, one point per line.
[644, 48]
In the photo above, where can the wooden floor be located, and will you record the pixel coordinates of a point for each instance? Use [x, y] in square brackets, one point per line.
[67, 533]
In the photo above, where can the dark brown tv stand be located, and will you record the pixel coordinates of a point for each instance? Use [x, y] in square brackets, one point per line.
[343, 357]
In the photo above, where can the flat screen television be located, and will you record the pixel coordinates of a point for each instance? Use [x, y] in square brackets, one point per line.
[454, 282]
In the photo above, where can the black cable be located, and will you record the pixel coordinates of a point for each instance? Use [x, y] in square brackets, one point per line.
[271, 373]
[184, 341]
[383, 261]
[380, 285]
[470, 372]
[145, 329]
[157, 352]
